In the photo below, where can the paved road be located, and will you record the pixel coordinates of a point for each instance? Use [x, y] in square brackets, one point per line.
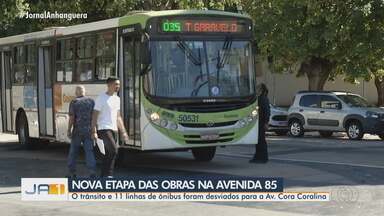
[353, 171]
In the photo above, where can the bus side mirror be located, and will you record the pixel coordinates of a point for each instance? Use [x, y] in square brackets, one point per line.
[255, 50]
[257, 67]
[145, 53]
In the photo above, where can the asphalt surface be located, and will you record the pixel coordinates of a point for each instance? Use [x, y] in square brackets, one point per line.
[352, 171]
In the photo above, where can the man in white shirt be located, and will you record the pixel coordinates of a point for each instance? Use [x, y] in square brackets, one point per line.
[106, 121]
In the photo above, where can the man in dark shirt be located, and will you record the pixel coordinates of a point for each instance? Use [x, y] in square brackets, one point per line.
[261, 155]
[80, 117]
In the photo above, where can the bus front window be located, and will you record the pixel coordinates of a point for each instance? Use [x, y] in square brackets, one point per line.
[187, 69]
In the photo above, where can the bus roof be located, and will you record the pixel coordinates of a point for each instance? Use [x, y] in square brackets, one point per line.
[26, 37]
[131, 18]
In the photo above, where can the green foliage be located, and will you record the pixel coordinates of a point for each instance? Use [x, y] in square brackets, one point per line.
[228, 5]
[96, 10]
[346, 33]
[10, 10]
[367, 57]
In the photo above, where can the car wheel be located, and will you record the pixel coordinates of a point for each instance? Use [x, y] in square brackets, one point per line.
[204, 153]
[325, 133]
[281, 132]
[355, 130]
[296, 129]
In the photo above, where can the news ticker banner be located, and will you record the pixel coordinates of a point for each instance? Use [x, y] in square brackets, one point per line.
[170, 188]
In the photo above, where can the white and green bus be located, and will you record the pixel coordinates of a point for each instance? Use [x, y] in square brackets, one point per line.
[188, 79]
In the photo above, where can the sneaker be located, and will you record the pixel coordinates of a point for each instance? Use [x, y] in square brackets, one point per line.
[110, 177]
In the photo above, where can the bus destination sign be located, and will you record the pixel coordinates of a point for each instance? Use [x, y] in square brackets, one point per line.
[202, 26]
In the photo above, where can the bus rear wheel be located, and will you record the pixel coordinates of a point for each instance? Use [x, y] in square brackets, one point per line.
[204, 153]
[23, 133]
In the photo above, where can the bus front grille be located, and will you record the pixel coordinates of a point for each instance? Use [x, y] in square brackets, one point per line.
[196, 139]
[208, 141]
[205, 125]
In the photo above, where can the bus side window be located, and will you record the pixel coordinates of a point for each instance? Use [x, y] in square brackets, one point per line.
[64, 60]
[84, 58]
[105, 55]
[30, 65]
[19, 67]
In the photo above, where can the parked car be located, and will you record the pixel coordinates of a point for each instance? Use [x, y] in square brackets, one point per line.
[278, 121]
[331, 111]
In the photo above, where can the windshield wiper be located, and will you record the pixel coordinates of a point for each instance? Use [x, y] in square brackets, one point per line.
[226, 47]
[222, 61]
[220, 64]
[187, 51]
[196, 90]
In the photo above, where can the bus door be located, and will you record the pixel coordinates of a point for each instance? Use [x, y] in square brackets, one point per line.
[45, 91]
[6, 106]
[130, 65]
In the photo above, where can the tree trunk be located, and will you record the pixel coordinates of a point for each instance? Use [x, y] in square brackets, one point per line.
[379, 83]
[317, 71]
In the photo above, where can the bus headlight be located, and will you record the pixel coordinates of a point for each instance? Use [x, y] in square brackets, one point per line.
[172, 126]
[163, 123]
[242, 123]
[254, 113]
[154, 116]
[248, 120]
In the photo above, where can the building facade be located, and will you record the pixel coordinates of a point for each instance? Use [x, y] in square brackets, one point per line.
[283, 86]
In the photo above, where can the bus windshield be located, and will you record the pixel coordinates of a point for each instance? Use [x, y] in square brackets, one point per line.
[187, 69]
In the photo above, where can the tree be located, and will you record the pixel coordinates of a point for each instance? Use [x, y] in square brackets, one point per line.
[374, 42]
[10, 10]
[367, 60]
[228, 5]
[324, 38]
[96, 10]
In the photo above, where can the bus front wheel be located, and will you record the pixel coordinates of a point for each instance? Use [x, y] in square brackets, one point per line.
[204, 153]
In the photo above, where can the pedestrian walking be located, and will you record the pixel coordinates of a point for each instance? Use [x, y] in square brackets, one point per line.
[106, 121]
[79, 131]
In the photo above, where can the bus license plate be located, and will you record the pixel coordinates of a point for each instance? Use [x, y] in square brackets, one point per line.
[209, 136]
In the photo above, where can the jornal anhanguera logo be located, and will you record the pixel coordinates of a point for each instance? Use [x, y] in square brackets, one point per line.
[44, 189]
[53, 189]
